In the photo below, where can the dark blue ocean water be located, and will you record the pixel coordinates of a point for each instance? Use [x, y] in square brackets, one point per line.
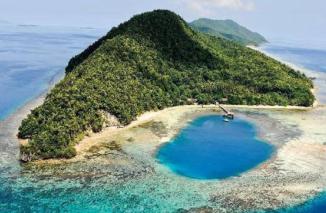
[313, 59]
[31, 56]
[209, 148]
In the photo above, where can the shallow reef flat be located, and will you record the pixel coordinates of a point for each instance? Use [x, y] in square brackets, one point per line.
[117, 171]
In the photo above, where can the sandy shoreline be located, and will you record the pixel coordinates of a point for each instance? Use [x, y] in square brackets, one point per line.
[89, 141]
[196, 110]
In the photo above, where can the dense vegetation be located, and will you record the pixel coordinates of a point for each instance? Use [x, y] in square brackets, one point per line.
[150, 62]
[227, 29]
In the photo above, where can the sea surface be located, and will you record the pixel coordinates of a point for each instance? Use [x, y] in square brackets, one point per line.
[312, 59]
[210, 148]
[31, 57]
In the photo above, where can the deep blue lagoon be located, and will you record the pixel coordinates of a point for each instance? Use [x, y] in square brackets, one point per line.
[210, 148]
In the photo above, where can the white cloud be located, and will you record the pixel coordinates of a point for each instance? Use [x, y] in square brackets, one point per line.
[208, 6]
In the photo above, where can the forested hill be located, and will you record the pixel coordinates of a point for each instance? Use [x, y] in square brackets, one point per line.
[228, 29]
[153, 61]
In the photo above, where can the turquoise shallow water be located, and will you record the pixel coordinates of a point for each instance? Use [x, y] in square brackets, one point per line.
[209, 148]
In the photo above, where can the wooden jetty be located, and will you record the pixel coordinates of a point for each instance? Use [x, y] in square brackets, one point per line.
[227, 114]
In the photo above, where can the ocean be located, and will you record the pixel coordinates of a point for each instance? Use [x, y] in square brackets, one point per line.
[33, 57]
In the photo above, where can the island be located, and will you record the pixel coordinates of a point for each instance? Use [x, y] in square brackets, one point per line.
[151, 62]
[228, 29]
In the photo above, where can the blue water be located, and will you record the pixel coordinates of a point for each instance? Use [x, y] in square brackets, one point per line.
[30, 58]
[316, 205]
[313, 59]
[209, 148]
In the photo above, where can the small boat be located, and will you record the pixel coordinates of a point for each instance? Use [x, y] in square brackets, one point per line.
[229, 116]
[226, 120]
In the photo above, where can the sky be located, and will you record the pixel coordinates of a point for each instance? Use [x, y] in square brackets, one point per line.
[302, 20]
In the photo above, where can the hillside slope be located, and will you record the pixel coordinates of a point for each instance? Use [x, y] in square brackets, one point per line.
[153, 61]
[228, 29]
